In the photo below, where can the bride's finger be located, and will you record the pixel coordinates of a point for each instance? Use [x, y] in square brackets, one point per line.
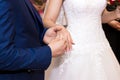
[70, 38]
[59, 35]
[64, 34]
[69, 43]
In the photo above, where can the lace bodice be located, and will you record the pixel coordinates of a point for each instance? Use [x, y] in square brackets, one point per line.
[84, 19]
[77, 10]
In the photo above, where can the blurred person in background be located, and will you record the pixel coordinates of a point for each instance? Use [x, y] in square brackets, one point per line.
[112, 32]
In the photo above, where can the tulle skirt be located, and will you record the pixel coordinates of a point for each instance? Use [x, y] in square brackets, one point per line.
[90, 62]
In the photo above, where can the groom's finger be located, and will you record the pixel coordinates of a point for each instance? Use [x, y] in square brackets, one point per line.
[57, 28]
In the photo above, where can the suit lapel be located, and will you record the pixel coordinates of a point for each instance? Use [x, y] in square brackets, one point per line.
[34, 13]
[36, 17]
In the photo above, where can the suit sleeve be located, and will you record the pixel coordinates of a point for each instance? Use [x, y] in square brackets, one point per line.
[12, 58]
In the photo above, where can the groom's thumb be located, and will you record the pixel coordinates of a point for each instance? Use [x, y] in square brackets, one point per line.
[57, 28]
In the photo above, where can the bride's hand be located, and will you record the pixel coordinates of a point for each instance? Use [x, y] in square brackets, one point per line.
[65, 33]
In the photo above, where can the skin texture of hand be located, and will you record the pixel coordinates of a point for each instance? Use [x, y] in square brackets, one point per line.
[115, 24]
[60, 31]
[50, 34]
[58, 46]
[65, 33]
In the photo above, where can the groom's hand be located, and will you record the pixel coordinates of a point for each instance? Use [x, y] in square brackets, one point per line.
[65, 33]
[59, 30]
[50, 34]
[58, 46]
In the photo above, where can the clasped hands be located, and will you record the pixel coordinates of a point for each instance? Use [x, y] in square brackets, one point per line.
[58, 39]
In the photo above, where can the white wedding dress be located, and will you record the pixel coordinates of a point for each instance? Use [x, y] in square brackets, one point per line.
[91, 57]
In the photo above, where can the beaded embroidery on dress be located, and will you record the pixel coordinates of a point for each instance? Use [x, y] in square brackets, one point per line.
[91, 57]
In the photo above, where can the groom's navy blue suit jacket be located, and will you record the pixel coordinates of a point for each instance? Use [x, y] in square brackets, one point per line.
[21, 46]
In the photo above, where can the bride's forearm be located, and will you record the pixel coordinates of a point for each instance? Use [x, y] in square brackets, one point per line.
[49, 23]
